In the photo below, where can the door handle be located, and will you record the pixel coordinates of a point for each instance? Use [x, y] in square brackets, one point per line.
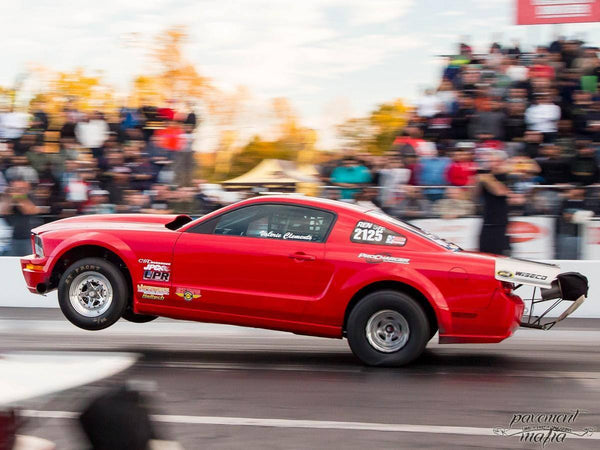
[301, 256]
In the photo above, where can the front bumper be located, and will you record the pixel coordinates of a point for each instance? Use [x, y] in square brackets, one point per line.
[36, 273]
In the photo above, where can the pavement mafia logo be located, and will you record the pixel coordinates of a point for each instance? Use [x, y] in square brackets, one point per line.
[544, 428]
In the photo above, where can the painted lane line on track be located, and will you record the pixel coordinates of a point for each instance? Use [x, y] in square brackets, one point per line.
[298, 423]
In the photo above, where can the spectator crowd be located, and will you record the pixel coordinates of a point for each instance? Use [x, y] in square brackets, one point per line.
[141, 160]
[505, 133]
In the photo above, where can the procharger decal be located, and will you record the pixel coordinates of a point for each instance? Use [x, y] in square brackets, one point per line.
[156, 271]
[383, 258]
[152, 292]
[188, 294]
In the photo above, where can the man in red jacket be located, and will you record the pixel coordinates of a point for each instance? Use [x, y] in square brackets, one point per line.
[462, 170]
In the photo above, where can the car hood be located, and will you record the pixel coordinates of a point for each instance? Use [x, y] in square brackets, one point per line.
[116, 221]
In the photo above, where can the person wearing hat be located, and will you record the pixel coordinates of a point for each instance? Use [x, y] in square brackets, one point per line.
[99, 203]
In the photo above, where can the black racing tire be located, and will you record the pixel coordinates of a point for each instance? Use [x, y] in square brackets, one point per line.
[378, 311]
[98, 273]
[432, 332]
[137, 318]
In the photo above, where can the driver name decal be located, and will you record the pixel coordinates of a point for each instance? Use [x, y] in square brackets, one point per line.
[285, 236]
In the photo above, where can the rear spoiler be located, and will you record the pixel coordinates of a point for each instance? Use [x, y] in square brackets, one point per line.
[569, 286]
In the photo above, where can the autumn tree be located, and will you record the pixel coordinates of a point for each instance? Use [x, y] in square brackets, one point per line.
[376, 132]
[291, 141]
[173, 76]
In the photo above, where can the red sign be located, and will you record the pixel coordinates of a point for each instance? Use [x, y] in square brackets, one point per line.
[523, 231]
[532, 12]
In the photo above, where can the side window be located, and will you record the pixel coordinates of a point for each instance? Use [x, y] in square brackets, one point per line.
[369, 233]
[285, 222]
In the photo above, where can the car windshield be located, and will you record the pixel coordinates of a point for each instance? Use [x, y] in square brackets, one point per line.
[420, 231]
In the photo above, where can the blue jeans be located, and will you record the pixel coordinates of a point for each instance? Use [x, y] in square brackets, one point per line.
[20, 247]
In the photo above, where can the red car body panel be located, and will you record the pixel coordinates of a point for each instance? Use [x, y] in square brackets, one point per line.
[298, 286]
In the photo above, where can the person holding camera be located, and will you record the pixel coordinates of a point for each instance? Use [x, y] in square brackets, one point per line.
[20, 213]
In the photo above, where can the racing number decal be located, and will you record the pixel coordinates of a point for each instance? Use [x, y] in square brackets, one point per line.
[370, 233]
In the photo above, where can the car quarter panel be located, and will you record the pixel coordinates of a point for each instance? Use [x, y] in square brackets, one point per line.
[456, 284]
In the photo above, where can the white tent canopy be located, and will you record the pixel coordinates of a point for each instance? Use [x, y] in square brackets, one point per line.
[276, 171]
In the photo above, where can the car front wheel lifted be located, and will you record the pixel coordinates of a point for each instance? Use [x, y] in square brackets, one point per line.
[92, 293]
[387, 328]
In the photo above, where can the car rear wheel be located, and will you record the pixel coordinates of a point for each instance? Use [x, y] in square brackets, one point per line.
[387, 328]
[92, 293]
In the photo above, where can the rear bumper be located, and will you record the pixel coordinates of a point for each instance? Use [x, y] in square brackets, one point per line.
[36, 273]
[494, 324]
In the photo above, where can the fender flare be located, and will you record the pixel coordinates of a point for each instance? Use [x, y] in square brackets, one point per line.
[98, 239]
[406, 276]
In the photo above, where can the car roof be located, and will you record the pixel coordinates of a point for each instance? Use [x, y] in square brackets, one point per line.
[299, 199]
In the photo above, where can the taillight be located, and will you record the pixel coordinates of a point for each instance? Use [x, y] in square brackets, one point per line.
[507, 287]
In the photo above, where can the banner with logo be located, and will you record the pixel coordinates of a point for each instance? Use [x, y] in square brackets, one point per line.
[463, 232]
[533, 12]
[531, 237]
[590, 248]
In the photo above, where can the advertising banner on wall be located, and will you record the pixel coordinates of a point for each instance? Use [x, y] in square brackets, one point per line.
[534, 12]
[531, 237]
[463, 232]
[590, 248]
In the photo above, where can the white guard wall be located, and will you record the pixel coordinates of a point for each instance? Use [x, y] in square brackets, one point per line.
[14, 292]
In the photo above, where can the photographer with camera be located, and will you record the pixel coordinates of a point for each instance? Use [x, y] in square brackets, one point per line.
[21, 214]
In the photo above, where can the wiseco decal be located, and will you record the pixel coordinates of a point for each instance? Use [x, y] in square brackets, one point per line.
[535, 276]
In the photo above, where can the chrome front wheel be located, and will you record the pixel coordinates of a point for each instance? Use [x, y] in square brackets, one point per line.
[93, 293]
[90, 294]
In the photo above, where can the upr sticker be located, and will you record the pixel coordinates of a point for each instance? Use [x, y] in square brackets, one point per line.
[156, 271]
[188, 294]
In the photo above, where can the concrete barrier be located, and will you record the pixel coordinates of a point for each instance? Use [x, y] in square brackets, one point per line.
[14, 292]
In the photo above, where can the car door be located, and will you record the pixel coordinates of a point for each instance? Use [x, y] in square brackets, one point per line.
[264, 260]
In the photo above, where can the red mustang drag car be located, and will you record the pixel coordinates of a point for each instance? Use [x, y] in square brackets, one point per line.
[292, 263]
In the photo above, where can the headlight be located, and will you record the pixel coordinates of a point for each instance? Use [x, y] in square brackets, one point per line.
[38, 248]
